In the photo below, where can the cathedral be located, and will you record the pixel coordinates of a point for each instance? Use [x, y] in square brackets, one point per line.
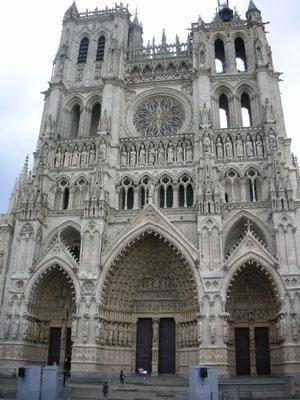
[158, 227]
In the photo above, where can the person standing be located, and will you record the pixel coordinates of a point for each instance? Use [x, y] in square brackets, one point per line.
[67, 369]
[105, 390]
[122, 377]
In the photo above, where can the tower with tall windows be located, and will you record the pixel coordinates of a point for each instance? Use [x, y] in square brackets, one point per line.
[159, 225]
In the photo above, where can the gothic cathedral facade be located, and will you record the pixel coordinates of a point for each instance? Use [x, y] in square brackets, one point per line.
[158, 227]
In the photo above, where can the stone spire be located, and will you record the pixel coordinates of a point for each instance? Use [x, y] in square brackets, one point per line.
[252, 6]
[164, 38]
[72, 11]
[253, 14]
[135, 21]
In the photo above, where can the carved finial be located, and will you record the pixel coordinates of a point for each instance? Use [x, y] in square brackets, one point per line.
[248, 225]
[164, 38]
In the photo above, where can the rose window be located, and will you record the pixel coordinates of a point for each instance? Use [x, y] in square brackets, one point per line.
[161, 115]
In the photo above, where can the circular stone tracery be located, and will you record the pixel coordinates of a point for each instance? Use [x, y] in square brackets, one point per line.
[159, 115]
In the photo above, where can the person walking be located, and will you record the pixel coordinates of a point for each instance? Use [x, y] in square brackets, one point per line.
[66, 371]
[105, 390]
[122, 377]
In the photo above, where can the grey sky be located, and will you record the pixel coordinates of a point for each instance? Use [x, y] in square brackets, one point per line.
[30, 33]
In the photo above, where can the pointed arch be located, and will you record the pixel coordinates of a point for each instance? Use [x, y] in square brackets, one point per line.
[55, 264]
[260, 265]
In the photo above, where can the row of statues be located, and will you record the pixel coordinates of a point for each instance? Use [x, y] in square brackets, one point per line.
[113, 333]
[75, 156]
[156, 154]
[234, 147]
[29, 328]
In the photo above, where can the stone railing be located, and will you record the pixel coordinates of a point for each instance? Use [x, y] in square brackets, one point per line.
[159, 52]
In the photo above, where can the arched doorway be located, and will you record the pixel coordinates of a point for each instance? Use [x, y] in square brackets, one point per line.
[49, 318]
[149, 308]
[253, 306]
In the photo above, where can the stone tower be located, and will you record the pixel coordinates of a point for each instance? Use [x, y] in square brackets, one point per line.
[158, 227]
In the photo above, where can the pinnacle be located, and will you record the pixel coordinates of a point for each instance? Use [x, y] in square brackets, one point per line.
[252, 6]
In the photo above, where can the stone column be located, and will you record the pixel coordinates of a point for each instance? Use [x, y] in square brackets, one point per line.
[155, 346]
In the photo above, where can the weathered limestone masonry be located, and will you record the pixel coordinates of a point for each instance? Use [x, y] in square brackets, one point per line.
[159, 226]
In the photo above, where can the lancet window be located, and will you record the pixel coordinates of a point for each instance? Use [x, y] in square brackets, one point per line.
[220, 63]
[126, 194]
[185, 192]
[254, 192]
[75, 119]
[165, 192]
[224, 111]
[83, 50]
[145, 190]
[240, 55]
[246, 110]
[95, 118]
[100, 49]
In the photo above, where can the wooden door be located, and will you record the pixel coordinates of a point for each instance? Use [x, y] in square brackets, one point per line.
[54, 346]
[166, 361]
[144, 344]
[262, 351]
[242, 351]
[68, 352]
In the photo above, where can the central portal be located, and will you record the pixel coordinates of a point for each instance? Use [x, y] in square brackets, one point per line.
[148, 299]
[146, 342]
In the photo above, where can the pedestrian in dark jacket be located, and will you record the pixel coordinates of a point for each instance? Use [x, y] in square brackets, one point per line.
[105, 390]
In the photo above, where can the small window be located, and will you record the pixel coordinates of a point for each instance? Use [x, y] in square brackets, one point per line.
[220, 64]
[224, 111]
[246, 110]
[66, 196]
[100, 49]
[96, 112]
[83, 50]
[75, 119]
[240, 55]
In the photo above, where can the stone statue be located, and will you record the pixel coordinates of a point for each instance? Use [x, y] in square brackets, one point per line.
[67, 157]
[249, 146]
[206, 143]
[142, 155]
[160, 154]
[102, 149]
[272, 139]
[205, 117]
[281, 327]
[74, 327]
[132, 161]
[294, 324]
[85, 328]
[170, 153]
[84, 156]
[188, 152]
[57, 158]
[268, 112]
[15, 326]
[259, 146]
[155, 330]
[219, 148]
[92, 155]
[239, 148]
[212, 330]
[75, 156]
[228, 148]
[123, 156]
[179, 153]
[151, 155]
[105, 122]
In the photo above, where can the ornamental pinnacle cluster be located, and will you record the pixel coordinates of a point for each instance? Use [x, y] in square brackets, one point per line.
[159, 224]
